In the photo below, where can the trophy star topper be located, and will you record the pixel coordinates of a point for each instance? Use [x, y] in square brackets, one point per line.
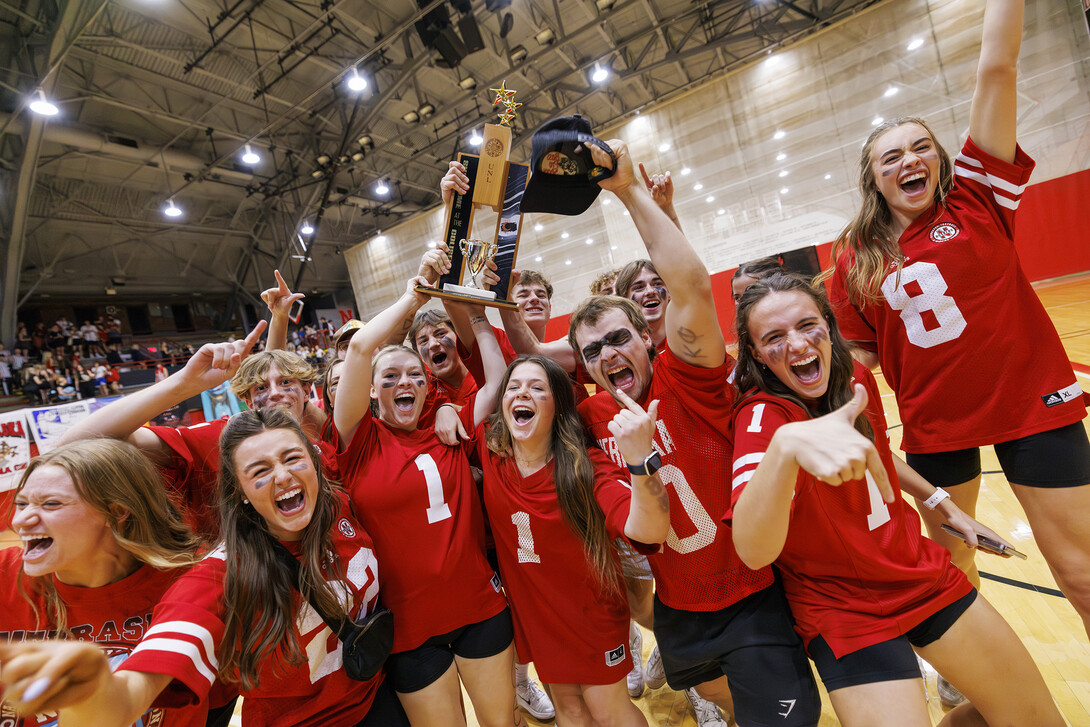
[505, 96]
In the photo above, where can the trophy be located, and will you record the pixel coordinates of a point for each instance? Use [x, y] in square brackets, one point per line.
[497, 184]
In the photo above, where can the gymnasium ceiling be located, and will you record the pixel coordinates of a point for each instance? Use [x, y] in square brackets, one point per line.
[158, 99]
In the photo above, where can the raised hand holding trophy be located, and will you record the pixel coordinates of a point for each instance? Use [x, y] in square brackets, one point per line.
[495, 183]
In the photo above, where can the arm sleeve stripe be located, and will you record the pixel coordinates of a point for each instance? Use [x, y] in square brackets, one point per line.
[189, 629]
[987, 180]
[754, 458]
[178, 648]
[742, 479]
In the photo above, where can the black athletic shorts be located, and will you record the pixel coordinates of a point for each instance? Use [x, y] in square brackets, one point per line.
[753, 642]
[1056, 458]
[888, 660]
[411, 671]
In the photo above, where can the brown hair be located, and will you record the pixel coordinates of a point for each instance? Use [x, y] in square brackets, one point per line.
[256, 367]
[603, 281]
[758, 269]
[750, 375]
[593, 308]
[573, 472]
[868, 239]
[627, 275]
[117, 480]
[259, 594]
[431, 318]
[530, 277]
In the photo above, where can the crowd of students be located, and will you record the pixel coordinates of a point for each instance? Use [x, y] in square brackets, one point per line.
[750, 513]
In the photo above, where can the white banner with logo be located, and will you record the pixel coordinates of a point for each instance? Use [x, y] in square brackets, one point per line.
[14, 448]
[49, 423]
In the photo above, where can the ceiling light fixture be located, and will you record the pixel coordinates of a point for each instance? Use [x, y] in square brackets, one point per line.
[43, 106]
[410, 117]
[915, 43]
[539, 227]
[599, 74]
[545, 37]
[664, 146]
[780, 133]
[468, 83]
[781, 156]
[382, 187]
[891, 91]
[518, 54]
[307, 229]
[356, 82]
[685, 171]
[171, 210]
[426, 110]
[249, 157]
[876, 120]
[475, 139]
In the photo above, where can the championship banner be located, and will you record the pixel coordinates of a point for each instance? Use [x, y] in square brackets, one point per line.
[14, 451]
[49, 423]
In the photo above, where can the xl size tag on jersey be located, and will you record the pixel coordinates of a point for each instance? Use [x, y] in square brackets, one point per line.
[1063, 395]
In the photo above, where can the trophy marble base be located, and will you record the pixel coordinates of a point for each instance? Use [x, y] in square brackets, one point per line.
[469, 292]
[474, 297]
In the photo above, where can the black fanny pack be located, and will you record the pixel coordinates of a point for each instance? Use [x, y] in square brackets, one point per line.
[365, 643]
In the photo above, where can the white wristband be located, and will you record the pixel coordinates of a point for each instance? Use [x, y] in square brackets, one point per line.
[932, 502]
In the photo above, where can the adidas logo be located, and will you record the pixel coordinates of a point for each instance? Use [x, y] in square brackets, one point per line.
[1052, 400]
[615, 656]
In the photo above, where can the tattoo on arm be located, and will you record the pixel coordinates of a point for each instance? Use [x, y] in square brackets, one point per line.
[688, 335]
[654, 487]
[692, 353]
[477, 320]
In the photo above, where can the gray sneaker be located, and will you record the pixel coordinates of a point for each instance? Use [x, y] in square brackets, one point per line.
[707, 713]
[635, 646]
[530, 696]
[653, 673]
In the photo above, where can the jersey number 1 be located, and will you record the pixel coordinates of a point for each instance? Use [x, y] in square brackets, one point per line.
[437, 509]
[932, 299]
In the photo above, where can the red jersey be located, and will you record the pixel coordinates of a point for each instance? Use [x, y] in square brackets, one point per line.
[194, 466]
[115, 616]
[962, 338]
[188, 630]
[856, 570]
[417, 499]
[697, 569]
[580, 638]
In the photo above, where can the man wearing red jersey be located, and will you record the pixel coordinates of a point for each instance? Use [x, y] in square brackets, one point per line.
[713, 616]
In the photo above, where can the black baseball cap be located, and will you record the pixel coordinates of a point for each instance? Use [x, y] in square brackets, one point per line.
[564, 178]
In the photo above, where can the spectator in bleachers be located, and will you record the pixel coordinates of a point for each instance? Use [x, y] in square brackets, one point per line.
[91, 343]
[84, 380]
[5, 370]
[100, 379]
[113, 356]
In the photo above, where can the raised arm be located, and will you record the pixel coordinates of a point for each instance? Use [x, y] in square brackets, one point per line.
[829, 448]
[481, 332]
[993, 117]
[649, 513]
[692, 329]
[280, 299]
[213, 364]
[525, 342]
[354, 389]
[661, 187]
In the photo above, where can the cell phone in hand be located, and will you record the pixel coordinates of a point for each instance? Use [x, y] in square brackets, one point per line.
[987, 544]
[296, 311]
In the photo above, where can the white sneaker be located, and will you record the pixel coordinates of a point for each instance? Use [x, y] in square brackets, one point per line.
[531, 697]
[707, 713]
[635, 647]
[653, 673]
[949, 696]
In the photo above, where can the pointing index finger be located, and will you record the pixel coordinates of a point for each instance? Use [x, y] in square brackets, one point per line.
[629, 402]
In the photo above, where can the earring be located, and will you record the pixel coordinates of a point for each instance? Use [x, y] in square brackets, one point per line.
[245, 501]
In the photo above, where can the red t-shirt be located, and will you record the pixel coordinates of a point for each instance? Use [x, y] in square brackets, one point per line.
[962, 338]
[194, 466]
[417, 499]
[697, 569]
[115, 616]
[472, 361]
[580, 638]
[856, 570]
[188, 630]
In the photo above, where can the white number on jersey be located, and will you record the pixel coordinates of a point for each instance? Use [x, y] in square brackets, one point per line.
[437, 509]
[755, 423]
[879, 512]
[933, 298]
[521, 521]
[705, 526]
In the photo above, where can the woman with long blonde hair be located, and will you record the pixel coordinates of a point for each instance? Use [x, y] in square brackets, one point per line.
[927, 280]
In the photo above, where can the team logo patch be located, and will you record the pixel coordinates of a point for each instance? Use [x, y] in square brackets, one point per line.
[615, 656]
[944, 231]
[346, 528]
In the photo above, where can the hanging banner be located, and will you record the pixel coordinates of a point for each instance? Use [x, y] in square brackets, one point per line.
[14, 450]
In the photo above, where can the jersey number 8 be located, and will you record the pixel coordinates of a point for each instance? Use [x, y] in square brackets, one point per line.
[932, 299]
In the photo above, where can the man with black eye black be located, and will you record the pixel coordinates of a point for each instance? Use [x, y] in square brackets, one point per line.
[714, 618]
